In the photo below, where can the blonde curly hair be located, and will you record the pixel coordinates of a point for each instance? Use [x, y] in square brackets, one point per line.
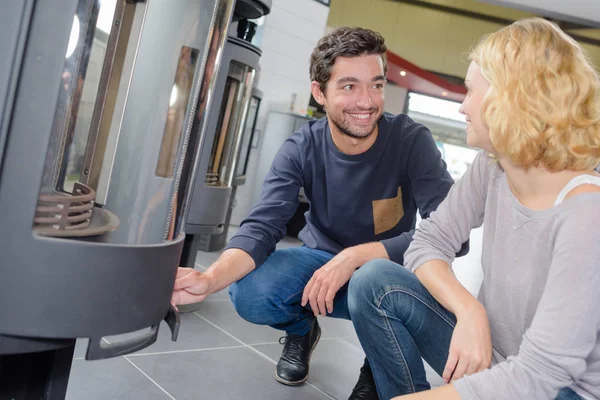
[543, 106]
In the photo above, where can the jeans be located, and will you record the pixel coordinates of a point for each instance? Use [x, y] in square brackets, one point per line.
[271, 294]
[399, 324]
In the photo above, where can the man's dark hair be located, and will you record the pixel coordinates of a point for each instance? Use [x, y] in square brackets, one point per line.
[344, 42]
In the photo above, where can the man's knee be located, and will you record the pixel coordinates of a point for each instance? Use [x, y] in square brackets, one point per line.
[256, 299]
[267, 295]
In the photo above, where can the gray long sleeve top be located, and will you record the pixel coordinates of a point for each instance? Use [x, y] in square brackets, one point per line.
[541, 286]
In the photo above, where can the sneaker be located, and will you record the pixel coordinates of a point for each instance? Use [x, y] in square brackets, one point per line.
[292, 368]
[365, 387]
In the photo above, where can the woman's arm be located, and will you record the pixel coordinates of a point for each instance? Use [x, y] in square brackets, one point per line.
[564, 331]
[430, 255]
[446, 392]
[471, 344]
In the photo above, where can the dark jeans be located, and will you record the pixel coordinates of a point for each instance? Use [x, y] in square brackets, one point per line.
[271, 294]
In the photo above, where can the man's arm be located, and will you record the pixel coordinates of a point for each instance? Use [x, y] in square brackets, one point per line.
[266, 225]
[258, 234]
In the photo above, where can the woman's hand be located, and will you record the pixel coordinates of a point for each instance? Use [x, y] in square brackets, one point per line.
[471, 345]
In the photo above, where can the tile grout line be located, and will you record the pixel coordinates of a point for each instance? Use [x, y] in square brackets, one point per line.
[183, 351]
[258, 352]
[268, 343]
[150, 379]
[219, 328]
[145, 374]
[156, 353]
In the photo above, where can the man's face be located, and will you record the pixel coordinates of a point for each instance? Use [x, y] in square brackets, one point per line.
[354, 94]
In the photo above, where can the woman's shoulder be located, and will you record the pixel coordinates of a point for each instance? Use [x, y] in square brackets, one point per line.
[487, 167]
[586, 183]
[579, 214]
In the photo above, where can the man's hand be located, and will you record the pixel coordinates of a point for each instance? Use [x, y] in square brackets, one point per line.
[327, 280]
[191, 286]
[470, 347]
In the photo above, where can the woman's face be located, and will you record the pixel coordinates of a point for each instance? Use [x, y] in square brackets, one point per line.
[478, 134]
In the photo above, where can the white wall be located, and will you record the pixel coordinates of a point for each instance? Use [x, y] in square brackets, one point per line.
[289, 34]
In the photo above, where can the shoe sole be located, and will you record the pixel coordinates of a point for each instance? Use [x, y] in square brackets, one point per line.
[296, 383]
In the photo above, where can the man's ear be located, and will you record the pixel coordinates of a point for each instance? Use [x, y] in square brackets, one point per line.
[315, 89]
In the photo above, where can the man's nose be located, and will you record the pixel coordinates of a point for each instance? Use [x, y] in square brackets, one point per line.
[364, 99]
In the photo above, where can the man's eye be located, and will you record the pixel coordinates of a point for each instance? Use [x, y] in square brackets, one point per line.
[348, 87]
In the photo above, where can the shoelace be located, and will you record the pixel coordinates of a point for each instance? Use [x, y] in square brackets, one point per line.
[292, 346]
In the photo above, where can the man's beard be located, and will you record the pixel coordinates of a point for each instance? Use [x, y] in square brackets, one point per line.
[345, 126]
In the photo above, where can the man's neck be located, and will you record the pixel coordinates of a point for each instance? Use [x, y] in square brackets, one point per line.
[349, 145]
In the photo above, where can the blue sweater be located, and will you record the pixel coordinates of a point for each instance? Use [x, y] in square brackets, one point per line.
[354, 199]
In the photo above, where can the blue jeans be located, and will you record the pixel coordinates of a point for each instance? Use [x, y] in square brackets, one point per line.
[399, 323]
[271, 294]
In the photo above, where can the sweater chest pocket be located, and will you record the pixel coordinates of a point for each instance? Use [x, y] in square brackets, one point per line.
[387, 213]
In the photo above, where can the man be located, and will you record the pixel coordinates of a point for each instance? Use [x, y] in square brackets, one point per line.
[364, 172]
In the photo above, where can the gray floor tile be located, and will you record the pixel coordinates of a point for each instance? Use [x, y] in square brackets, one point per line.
[114, 379]
[194, 333]
[219, 375]
[335, 327]
[343, 329]
[223, 314]
[353, 340]
[80, 348]
[334, 366]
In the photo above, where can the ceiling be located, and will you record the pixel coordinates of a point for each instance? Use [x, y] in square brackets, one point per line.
[584, 12]
[436, 35]
[409, 76]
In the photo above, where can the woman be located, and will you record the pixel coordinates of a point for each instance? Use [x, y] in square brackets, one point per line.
[533, 107]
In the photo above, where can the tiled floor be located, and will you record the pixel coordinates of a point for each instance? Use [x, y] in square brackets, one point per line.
[220, 356]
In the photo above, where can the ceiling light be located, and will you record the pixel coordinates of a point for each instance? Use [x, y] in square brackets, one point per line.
[402, 73]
